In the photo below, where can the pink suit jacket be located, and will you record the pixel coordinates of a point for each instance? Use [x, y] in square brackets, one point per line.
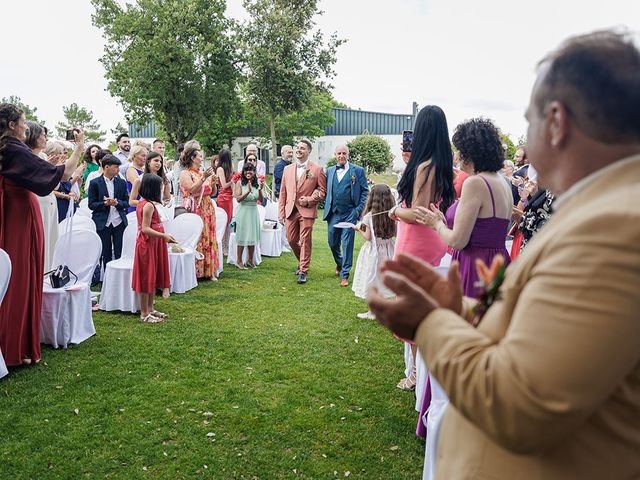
[311, 184]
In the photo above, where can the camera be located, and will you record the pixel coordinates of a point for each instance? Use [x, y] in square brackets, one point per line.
[71, 134]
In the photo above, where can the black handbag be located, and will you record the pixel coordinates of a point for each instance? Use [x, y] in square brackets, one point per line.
[60, 276]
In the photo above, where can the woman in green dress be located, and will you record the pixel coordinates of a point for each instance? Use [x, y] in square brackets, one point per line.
[248, 192]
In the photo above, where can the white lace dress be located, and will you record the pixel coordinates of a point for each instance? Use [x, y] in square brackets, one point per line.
[371, 256]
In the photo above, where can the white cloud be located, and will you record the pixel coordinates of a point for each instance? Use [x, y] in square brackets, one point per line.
[472, 58]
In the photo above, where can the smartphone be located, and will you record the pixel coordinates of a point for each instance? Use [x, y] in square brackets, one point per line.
[407, 140]
[71, 134]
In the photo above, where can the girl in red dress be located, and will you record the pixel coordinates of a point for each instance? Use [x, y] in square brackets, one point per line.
[151, 261]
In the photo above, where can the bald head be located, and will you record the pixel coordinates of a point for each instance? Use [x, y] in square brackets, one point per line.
[342, 154]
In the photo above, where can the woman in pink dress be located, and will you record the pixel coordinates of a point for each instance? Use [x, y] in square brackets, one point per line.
[427, 178]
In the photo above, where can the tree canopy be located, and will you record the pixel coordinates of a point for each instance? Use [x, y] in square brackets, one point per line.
[29, 112]
[171, 60]
[287, 61]
[76, 116]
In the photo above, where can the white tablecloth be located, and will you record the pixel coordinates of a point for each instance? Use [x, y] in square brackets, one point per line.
[66, 315]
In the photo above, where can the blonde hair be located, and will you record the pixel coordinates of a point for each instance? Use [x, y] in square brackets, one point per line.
[135, 150]
[54, 147]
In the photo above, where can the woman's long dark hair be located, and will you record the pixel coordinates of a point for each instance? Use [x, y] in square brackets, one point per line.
[254, 180]
[87, 154]
[379, 202]
[151, 156]
[8, 113]
[430, 142]
[224, 161]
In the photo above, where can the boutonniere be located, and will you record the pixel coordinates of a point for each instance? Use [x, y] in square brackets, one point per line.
[353, 179]
[490, 279]
[309, 174]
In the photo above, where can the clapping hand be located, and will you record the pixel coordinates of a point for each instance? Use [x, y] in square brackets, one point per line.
[430, 216]
[208, 172]
[419, 290]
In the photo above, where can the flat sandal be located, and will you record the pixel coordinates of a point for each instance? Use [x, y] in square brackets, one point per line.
[150, 319]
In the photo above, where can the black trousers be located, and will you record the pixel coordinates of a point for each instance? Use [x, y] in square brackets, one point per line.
[111, 240]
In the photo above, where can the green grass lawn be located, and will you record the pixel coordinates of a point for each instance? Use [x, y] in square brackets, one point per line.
[253, 377]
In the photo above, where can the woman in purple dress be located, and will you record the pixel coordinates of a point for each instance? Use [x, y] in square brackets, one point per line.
[476, 225]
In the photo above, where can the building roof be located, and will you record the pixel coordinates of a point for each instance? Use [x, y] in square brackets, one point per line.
[348, 122]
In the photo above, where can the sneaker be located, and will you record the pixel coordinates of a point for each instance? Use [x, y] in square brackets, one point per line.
[302, 278]
[366, 316]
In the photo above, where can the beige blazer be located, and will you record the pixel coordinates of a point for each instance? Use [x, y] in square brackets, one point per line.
[312, 183]
[548, 386]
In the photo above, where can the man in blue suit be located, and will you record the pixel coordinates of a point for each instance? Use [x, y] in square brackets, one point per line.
[347, 191]
[109, 201]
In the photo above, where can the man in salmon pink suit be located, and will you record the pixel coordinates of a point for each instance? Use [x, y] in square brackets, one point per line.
[304, 184]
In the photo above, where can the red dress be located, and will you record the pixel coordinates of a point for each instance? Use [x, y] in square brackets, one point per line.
[225, 201]
[22, 237]
[151, 260]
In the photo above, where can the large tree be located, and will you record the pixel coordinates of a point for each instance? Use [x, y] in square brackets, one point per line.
[29, 112]
[287, 60]
[170, 60]
[76, 116]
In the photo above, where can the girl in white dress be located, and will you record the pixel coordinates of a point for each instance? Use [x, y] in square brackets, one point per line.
[378, 230]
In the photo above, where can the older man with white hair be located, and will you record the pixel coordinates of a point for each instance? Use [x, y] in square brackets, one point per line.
[347, 191]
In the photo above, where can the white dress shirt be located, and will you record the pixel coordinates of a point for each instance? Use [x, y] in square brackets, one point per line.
[114, 217]
[340, 172]
[300, 168]
[261, 168]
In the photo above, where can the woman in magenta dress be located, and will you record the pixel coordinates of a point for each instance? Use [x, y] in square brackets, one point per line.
[427, 179]
[151, 260]
[476, 225]
[24, 175]
[225, 195]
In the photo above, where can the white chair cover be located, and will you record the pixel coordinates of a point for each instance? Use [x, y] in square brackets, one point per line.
[132, 218]
[270, 238]
[221, 225]
[186, 229]
[80, 222]
[66, 312]
[116, 293]
[433, 421]
[233, 252]
[5, 275]
[83, 209]
[284, 244]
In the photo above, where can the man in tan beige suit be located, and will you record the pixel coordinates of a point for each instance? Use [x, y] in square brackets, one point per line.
[548, 386]
[304, 184]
